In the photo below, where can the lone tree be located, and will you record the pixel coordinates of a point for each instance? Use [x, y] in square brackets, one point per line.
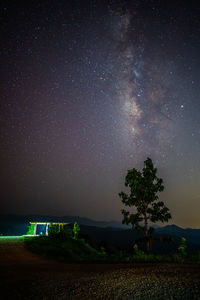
[144, 187]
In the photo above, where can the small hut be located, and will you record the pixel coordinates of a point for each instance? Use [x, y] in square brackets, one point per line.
[47, 225]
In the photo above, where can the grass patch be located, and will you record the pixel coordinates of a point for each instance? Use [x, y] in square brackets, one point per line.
[71, 250]
[67, 249]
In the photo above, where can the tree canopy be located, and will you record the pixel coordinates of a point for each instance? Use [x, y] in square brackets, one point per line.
[144, 188]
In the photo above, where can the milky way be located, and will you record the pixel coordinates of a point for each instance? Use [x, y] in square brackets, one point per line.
[141, 83]
[88, 91]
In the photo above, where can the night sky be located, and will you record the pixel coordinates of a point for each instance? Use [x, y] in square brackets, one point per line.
[89, 89]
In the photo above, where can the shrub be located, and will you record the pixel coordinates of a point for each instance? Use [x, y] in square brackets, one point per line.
[61, 235]
[182, 247]
[76, 230]
[30, 229]
[195, 256]
[137, 251]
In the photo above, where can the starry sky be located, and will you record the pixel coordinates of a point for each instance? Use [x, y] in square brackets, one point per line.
[89, 89]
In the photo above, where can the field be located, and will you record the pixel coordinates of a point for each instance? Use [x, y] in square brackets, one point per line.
[25, 275]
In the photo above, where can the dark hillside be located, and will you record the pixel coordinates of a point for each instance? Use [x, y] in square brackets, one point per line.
[123, 238]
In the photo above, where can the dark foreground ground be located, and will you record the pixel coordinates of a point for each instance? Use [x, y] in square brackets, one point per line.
[24, 275]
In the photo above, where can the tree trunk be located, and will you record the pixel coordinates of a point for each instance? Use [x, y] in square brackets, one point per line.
[146, 233]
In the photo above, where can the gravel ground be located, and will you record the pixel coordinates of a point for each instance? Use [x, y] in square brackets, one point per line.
[62, 281]
[27, 276]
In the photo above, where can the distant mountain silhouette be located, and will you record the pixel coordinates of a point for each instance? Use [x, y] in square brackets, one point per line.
[191, 235]
[126, 238]
[111, 232]
[17, 224]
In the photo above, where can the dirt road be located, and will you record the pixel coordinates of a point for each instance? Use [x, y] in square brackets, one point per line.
[24, 275]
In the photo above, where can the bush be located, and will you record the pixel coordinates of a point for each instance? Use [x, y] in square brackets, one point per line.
[195, 256]
[182, 247]
[137, 251]
[66, 233]
[30, 229]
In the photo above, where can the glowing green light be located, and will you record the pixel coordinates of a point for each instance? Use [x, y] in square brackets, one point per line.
[33, 227]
